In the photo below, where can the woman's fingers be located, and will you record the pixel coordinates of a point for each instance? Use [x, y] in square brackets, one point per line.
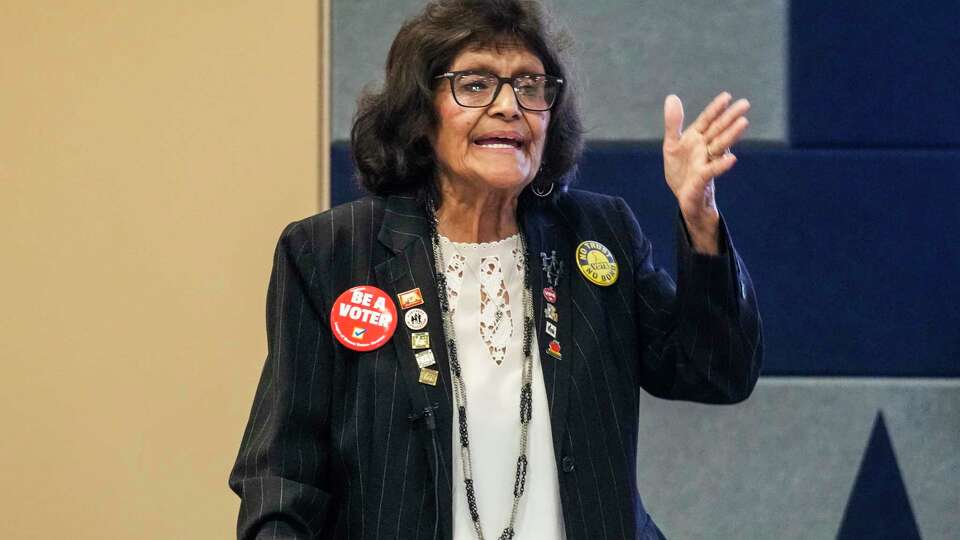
[711, 112]
[729, 116]
[702, 152]
[672, 117]
[729, 137]
[719, 166]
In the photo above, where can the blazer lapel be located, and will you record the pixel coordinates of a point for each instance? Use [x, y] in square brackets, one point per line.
[545, 239]
[405, 231]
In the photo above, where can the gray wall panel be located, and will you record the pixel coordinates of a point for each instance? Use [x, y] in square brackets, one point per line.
[629, 55]
[782, 464]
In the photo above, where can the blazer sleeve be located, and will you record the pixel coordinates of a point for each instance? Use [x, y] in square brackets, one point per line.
[281, 467]
[701, 339]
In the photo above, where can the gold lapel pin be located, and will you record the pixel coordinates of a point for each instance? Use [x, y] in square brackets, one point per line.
[428, 376]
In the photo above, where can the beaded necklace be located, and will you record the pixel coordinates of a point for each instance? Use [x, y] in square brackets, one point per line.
[459, 389]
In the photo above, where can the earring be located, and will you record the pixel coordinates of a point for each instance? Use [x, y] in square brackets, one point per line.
[540, 192]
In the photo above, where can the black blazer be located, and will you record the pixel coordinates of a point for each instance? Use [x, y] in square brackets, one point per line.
[338, 446]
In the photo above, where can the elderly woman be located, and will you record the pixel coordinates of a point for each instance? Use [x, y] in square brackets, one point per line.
[459, 354]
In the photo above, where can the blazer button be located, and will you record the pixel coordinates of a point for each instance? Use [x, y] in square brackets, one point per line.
[567, 464]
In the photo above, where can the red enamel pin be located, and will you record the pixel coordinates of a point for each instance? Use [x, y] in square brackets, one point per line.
[554, 349]
[363, 318]
[550, 294]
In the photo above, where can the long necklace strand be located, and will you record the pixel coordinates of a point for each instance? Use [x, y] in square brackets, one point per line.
[459, 389]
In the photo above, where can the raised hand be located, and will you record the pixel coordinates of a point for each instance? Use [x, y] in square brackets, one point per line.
[693, 157]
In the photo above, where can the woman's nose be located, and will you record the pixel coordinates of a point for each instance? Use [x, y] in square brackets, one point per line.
[505, 103]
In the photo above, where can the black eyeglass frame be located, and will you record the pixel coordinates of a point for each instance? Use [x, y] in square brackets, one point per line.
[451, 75]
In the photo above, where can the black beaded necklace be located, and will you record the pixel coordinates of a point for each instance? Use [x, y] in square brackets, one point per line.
[459, 389]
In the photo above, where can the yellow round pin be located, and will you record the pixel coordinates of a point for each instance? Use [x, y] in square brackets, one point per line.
[597, 263]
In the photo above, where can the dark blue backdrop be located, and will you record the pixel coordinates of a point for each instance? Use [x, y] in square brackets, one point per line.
[864, 73]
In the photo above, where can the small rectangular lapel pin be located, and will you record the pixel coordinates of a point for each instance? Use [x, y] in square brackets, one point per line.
[420, 340]
[411, 298]
[551, 329]
[425, 359]
[428, 376]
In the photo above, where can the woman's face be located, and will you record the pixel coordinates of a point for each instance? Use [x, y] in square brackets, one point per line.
[469, 141]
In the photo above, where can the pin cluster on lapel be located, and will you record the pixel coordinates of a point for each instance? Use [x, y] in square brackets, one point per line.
[552, 268]
[416, 320]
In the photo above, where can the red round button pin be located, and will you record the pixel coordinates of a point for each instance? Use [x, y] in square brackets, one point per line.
[363, 318]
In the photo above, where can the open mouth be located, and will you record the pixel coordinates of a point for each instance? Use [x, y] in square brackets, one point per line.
[497, 142]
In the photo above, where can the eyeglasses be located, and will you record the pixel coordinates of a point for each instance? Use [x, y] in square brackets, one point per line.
[534, 92]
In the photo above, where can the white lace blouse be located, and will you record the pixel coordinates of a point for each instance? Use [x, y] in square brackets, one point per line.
[484, 285]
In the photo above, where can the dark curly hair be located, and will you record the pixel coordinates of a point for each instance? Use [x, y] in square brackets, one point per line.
[390, 135]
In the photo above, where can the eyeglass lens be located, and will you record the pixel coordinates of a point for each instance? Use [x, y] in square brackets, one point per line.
[477, 90]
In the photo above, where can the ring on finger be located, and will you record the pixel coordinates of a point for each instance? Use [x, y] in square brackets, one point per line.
[712, 156]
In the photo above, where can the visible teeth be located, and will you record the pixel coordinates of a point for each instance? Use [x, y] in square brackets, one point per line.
[497, 145]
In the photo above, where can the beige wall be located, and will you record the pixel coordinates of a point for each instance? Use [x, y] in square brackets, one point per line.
[150, 154]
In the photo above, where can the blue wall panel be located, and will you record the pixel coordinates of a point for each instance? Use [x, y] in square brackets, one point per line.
[879, 74]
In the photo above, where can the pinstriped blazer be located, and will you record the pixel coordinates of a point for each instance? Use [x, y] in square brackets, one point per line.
[342, 444]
